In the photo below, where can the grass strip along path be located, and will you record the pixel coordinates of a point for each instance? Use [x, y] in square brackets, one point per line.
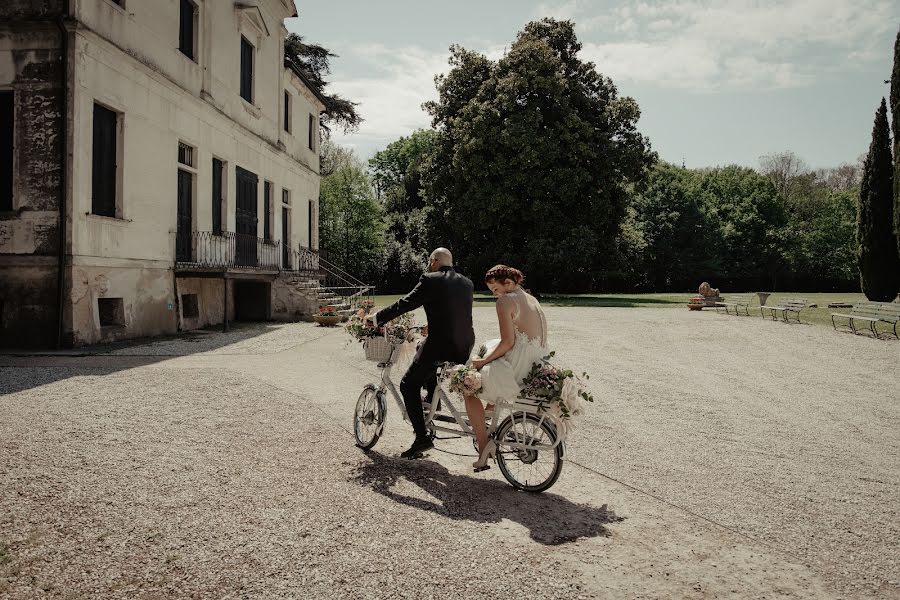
[820, 315]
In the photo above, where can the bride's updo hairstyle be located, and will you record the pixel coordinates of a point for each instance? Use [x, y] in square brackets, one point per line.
[501, 273]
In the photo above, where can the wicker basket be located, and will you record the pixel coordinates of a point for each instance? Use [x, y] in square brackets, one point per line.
[378, 349]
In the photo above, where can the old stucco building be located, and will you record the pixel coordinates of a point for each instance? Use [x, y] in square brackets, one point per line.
[159, 165]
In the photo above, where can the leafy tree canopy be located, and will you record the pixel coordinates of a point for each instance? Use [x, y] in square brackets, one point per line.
[533, 156]
[314, 61]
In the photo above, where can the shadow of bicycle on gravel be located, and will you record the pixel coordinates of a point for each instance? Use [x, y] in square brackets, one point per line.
[550, 519]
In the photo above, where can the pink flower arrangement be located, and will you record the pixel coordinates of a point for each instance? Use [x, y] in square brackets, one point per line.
[556, 388]
[465, 380]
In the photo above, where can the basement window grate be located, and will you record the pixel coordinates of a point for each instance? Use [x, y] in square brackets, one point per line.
[190, 307]
[185, 154]
[112, 311]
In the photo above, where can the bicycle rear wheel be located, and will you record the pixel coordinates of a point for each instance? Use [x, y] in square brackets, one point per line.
[368, 418]
[525, 452]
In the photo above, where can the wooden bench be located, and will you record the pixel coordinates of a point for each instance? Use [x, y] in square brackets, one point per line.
[871, 313]
[737, 302]
[787, 307]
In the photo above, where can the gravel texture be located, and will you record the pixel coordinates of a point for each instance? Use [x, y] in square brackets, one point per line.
[749, 459]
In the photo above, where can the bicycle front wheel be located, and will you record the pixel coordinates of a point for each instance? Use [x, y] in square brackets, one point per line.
[527, 452]
[368, 418]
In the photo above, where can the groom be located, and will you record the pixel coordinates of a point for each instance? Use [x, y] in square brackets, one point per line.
[447, 298]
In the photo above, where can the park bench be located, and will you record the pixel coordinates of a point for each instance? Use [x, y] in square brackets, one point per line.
[871, 313]
[787, 307]
[738, 302]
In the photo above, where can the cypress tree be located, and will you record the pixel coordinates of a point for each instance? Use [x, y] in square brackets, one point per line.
[895, 127]
[879, 265]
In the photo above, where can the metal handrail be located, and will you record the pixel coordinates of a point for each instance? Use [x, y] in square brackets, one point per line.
[229, 250]
[208, 250]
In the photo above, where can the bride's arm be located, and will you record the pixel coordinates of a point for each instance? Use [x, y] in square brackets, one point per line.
[507, 332]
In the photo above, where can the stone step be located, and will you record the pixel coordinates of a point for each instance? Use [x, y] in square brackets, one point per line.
[336, 306]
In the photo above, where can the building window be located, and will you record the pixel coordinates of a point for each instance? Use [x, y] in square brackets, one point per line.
[246, 70]
[312, 224]
[218, 195]
[267, 211]
[190, 307]
[111, 311]
[286, 236]
[7, 145]
[104, 176]
[185, 217]
[287, 112]
[312, 132]
[185, 154]
[187, 29]
[286, 197]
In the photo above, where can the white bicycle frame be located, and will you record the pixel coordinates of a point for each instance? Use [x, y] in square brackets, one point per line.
[525, 408]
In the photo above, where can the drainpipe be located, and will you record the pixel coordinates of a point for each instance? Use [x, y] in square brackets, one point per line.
[64, 146]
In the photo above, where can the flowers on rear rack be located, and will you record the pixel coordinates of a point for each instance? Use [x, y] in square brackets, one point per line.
[556, 389]
[464, 379]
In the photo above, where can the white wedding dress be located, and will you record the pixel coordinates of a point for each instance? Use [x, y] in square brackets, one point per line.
[501, 379]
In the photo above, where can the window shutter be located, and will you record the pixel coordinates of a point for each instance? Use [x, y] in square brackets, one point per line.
[103, 184]
[246, 70]
[186, 29]
[217, 197]
[7, 147]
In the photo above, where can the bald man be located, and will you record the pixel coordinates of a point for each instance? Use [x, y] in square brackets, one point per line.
[447, 298]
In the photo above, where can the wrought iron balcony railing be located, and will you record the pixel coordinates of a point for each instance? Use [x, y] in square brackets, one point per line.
[208, 251]
[205, 250]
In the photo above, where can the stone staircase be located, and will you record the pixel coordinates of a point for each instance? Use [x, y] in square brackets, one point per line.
[314, 283]
[317, 296]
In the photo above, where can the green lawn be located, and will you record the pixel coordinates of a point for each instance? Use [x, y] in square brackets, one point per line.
[821, 315]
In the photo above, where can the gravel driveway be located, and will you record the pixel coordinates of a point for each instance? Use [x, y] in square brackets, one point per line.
[725, 457]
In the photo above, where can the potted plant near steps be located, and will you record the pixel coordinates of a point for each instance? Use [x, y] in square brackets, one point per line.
[327, 317]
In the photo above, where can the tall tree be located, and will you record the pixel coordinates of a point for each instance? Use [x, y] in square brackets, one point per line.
[351, 218]
[314, 61]
[783, 168]
[879, 265]
[667, 213]
[895, 121]
[533, 157]
[746, 218]
[397, 175]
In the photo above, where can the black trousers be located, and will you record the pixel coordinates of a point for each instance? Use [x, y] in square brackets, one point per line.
[422, 372]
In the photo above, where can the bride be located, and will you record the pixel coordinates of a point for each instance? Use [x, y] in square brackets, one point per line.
[523, 342]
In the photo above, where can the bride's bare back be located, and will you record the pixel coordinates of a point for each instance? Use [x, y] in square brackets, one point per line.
[528, 317]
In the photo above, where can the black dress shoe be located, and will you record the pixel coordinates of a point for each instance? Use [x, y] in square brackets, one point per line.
[417, 448]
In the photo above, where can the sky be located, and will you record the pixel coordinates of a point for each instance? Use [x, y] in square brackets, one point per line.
[718, 81]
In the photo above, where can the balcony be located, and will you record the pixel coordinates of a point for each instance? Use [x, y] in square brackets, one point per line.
[229, 252]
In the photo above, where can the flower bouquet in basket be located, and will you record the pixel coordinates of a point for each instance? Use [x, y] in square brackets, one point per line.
[378, 342]
[556, 389]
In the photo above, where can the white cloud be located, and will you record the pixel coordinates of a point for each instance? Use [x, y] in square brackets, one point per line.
[696, 45]
[391, 94]
[713, 44]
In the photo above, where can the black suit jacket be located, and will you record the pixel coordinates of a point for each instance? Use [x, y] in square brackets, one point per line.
[447, 298]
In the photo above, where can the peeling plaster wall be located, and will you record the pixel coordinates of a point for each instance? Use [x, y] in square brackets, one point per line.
[148, 296]
[209, 301]
[30, 66]
[27, 304]
[30, 9]
[292, 303]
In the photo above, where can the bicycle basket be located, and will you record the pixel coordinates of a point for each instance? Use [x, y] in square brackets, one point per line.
[378, 349]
